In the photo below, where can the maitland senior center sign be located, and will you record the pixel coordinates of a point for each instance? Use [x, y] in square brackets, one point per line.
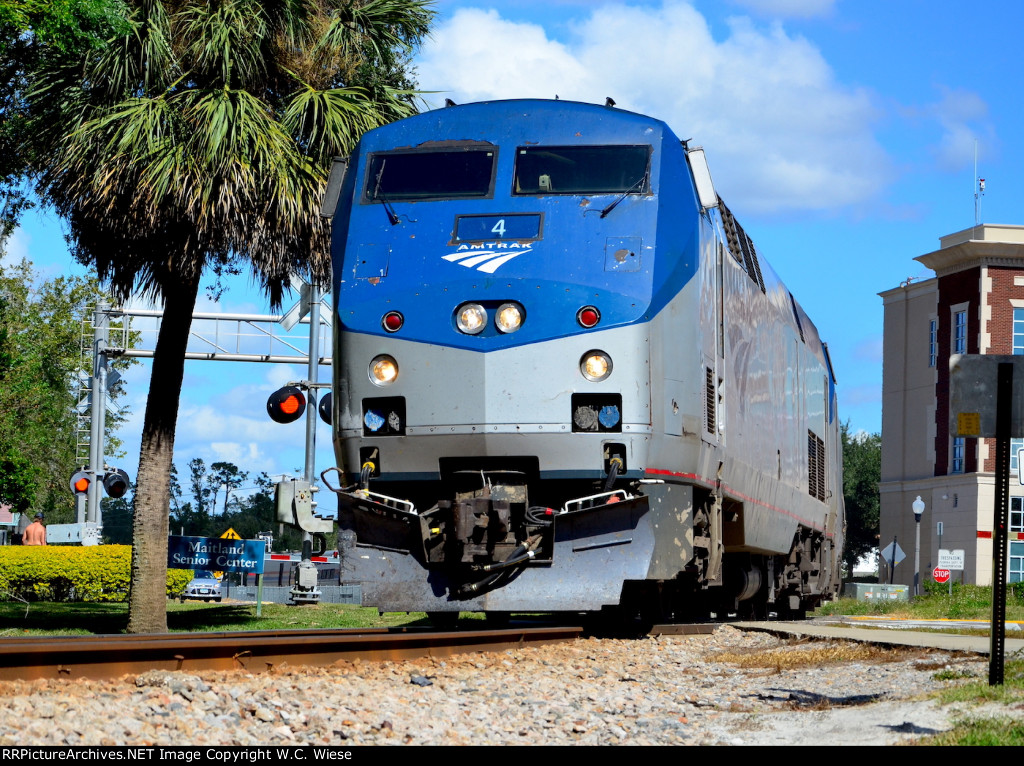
[215, 553]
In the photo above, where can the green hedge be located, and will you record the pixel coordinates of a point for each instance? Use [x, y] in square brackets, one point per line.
[73, 573]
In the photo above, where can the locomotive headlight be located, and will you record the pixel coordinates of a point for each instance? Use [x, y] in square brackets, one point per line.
[509, 317]
[596, 365]
[470, 318]
[383, 370]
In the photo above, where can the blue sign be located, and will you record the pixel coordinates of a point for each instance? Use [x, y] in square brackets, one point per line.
[215, 553]
[490, 227]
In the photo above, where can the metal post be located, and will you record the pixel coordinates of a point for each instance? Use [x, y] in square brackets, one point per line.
[892, 563]
[1001, 517]
[312, 375]
[306, 565]
[917, 556]
[918, 507]
[97, 426]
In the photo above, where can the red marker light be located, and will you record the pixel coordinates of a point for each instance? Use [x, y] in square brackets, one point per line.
[290, 405]
[588, 316]
[82, 485]
[392, 321]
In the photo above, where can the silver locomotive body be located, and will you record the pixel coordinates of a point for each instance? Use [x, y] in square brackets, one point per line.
[679, 455]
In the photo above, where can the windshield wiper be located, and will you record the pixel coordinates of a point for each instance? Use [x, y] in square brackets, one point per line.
[377, 194]
[615, 203]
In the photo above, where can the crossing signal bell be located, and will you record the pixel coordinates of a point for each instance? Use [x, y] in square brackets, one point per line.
[286, 405]
[116, 482]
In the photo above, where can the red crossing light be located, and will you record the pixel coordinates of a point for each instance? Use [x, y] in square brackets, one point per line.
[80, 481]
[286, 405]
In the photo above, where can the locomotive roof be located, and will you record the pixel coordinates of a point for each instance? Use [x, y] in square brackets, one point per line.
[525, 120]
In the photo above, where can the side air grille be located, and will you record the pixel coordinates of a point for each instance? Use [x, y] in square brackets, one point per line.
[740, 245]
[710, 396]
[815, 466]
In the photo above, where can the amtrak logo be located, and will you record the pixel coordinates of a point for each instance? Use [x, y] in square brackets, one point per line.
[487, 258]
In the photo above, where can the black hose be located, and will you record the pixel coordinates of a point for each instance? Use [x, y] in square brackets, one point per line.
[614, 466]
[364, 474]
[520, 555]
[539, 516]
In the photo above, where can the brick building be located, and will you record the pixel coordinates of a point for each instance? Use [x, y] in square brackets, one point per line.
[973, 305]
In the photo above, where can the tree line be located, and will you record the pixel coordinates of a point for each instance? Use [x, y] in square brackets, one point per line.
[214, 499]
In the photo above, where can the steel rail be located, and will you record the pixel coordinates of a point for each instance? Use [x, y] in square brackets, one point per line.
[109, 656]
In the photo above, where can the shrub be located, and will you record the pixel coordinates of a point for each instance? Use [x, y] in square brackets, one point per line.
[74, 573]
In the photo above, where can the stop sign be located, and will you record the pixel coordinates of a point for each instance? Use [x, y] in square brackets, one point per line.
[940, 575]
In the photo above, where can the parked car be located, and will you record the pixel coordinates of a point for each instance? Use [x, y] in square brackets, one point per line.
[203, 587]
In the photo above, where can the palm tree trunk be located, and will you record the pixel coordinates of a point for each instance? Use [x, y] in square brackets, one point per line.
[147, 603]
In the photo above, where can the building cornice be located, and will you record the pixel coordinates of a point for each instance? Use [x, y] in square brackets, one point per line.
[974, 254]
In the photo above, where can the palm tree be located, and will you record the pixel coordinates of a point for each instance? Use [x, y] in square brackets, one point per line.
[199, 143]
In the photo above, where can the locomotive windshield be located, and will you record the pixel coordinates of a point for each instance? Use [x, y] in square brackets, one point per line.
[430, 175]
[581, 169]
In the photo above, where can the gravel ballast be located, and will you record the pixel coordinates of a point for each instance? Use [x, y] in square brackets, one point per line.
[665, 690]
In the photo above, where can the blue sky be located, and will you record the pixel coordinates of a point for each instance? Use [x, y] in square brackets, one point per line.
[841, 133]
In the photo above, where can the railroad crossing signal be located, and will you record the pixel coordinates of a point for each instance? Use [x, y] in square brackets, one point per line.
[116, 482]
[286, 405]
[80, 481]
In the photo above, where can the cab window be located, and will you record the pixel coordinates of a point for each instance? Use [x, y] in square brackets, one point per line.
[420, 175]
[581, 169]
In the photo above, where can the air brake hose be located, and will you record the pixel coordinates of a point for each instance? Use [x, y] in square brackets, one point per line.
[614, 466]
[522, 554]
[364, 474]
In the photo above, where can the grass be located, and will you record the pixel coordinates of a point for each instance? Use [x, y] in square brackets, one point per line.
[968, 602]
[70, 619]
[987, 729]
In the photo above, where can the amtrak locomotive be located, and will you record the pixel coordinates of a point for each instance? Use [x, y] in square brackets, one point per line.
[565, 379]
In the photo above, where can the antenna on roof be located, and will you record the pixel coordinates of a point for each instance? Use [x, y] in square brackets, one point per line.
[979, 187]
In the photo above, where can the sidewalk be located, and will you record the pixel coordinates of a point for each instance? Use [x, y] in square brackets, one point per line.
[896, 632]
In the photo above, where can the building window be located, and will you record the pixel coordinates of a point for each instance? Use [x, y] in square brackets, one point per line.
[1018, 331]
[960, 332]
[1016, 568]
[1015, 445]
[958, 454]
[933, 328]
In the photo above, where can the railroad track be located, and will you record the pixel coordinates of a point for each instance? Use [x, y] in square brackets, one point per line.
[72, 657]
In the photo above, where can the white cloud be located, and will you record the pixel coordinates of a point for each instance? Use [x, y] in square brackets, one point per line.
[795, 9]
[248, 454]
[15, 248]
[781, 132]
[478, 56]
[963, 118]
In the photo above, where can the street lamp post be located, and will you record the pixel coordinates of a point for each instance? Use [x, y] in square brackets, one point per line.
[918, 507]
